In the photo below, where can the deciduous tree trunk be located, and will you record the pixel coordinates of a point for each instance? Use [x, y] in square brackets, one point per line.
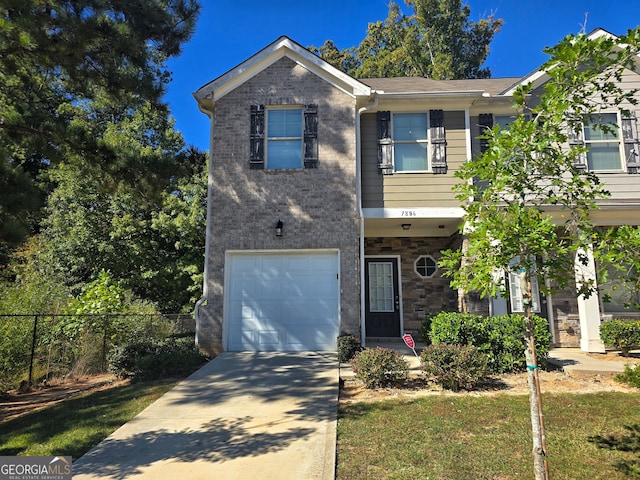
[539, 452]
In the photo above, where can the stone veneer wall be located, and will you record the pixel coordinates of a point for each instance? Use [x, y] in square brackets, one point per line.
[566, 323]
[317, 206]
[420, 296]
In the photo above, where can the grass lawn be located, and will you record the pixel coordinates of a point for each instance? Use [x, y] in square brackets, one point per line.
[75, 425]
[589, 436]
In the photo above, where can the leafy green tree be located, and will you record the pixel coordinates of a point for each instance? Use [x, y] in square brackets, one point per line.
[342, 59]
[437, 41]
[104, 315]
[528, 173]
[385, 51]
[57, 61]
[28, 287]
[181, 223]
[152, 243]
[448, 45]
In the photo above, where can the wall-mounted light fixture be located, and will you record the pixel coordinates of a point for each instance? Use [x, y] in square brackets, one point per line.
[406, 226]
[279, 226]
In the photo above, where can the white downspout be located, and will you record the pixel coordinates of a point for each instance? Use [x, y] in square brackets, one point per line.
[205, 282]
[361, 216]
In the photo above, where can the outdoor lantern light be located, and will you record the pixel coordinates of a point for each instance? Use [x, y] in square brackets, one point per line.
[406, 226]
[279, 228]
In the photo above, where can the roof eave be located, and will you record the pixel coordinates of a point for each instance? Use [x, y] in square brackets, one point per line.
[207, 95]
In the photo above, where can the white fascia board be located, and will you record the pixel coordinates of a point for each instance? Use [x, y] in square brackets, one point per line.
[538, 77]
[410, 212]
[283, 47]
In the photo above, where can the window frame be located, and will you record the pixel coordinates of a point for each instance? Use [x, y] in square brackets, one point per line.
[618, 139]
[515, 301]
[268, 138]
[426, 142]
[435, 266]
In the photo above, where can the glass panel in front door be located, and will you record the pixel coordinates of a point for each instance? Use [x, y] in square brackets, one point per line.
[381, 296]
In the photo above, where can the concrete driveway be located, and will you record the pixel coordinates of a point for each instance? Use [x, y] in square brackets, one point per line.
[243, 415]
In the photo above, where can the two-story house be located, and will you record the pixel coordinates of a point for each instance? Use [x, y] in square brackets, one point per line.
[330, 201]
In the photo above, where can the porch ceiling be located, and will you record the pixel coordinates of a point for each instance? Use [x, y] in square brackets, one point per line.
[419, 227]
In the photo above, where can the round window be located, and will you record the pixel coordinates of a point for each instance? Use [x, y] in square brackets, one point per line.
[426, 266]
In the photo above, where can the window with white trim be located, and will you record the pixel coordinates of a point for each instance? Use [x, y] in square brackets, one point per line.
[602, 136]
[299, 126]
[410, 142]
[426, 266]
[515, 291]
[284, 138]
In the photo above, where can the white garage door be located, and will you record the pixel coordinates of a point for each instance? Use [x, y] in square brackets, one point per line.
[287, 302]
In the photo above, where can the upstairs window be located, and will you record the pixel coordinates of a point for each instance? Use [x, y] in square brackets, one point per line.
[602, 136]
[410, 142]
[284, 138]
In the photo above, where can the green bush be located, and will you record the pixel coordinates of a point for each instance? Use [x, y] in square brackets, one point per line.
[378, 367]
[15, 347]
[630, 376]
[176, 355]
[621, 334]
[453, 366]
[425, 329]
[348, 346]
[500, 338]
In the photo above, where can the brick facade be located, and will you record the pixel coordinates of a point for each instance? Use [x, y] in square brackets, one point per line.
[317, 206]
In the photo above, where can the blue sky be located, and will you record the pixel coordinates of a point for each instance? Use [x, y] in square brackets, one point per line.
[230, 31]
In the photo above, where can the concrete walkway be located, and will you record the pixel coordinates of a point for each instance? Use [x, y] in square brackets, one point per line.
[242, 416]
[575, 361]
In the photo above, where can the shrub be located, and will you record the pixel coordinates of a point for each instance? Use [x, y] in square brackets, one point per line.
[453, 366]
[153, 360]
[500, 338]
[630, 376]
[15, 348]
[425, 329]
[377, 367]
[348, 346]
[621, 334]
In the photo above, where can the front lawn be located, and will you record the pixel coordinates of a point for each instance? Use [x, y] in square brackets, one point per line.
[589, 436]
[76, 425]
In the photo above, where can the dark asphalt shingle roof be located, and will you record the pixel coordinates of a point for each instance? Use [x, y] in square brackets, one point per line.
[493, 86]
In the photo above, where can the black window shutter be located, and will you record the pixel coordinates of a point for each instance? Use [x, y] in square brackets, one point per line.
[385, 163]
[631, 142]
[311, 136]
[256, 138]
[485, 121]
[438, 142]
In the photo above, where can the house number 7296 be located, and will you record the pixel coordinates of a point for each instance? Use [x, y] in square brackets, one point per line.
[408, 213]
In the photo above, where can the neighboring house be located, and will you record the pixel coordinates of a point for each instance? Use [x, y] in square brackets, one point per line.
[330, 201]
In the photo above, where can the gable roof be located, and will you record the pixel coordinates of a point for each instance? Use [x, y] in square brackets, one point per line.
[540, 76]
[393, 87]
[282, 47]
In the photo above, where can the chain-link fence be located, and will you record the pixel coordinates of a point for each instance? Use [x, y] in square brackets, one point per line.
[37, 347]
